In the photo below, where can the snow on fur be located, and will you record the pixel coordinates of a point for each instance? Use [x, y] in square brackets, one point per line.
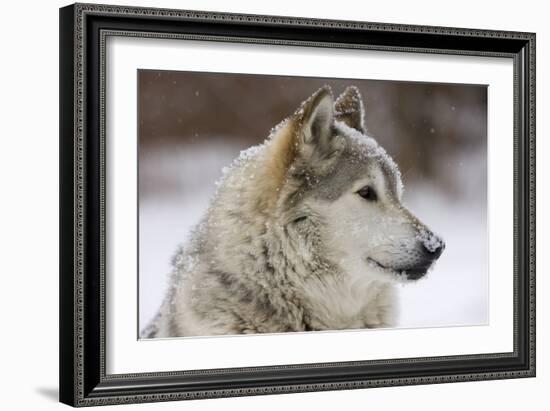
[374, 150]
[429, 240]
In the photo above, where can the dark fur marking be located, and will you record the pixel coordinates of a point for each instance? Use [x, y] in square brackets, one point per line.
[172, 326]
[224, 278]
[151, 330]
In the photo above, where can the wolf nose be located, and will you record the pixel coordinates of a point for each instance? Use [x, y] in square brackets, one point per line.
[434, 247]
[432, 244]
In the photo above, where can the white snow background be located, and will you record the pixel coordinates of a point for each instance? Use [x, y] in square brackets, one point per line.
[454, 293]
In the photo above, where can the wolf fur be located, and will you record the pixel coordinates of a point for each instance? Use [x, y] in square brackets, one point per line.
[306, 232]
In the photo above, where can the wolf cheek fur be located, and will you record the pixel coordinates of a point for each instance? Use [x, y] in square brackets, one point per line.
[305, 232]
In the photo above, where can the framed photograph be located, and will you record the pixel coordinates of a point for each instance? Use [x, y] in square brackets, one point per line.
[261, 204]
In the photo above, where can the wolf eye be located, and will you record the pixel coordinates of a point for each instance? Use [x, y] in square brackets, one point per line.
[368, 193]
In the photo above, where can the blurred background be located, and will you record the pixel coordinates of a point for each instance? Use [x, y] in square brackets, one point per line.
[193, 124]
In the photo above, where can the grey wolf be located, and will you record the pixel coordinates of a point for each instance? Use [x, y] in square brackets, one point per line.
[305, 232]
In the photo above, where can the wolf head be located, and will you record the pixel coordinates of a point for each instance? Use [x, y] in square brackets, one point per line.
[332, 189]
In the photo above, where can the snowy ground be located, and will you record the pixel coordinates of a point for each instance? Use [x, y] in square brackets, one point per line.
[455, 293]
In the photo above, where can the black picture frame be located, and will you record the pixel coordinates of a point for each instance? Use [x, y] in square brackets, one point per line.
[83, 381]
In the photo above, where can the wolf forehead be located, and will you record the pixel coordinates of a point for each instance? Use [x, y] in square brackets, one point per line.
[362, 158]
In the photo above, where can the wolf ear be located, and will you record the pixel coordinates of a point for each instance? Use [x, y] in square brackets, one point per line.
[317, 117]
[317, 144]
[349, 109]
